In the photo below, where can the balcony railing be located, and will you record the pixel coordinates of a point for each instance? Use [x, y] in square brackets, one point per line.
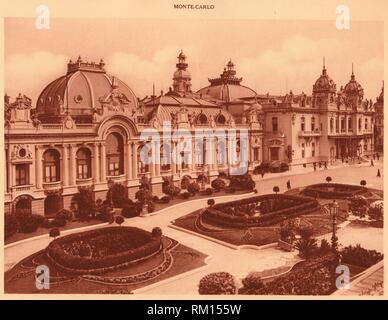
[84, 182]
[120, 178]
[21, 188]
[52, 185]
[315, 133]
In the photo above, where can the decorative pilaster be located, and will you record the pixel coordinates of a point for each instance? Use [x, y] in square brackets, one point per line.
[128, 160]
[65, 165]
[73, 165]
[103, 162]
[38, 167]
[134, 160]
[96, 163]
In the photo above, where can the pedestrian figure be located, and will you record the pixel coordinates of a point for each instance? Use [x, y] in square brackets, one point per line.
[378, 173]
[315, 166]
[325, 165]
[288, 185]
[371, 163]
[262, 173]
[319, 164]
[378, 156]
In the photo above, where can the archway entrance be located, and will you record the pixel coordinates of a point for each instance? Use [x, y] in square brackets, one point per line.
[52, 204]
[23, 205]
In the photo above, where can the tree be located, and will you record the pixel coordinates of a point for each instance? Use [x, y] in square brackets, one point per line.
[54, 233]
[276, 189]
[117, 195]
[156, 232]
[328, 179]
[363, 183]
[119, 220]
[85, 202]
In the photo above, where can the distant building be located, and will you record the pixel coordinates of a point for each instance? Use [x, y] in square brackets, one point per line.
[84, 131]
[379, 122]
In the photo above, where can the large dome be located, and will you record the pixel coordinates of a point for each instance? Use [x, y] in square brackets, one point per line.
[227, 87]
[353, 87]
[324, 83]
[81, 91]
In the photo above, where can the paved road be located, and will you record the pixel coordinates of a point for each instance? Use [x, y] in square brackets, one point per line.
[237, 262]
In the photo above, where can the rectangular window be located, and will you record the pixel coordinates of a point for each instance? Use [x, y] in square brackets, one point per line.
[22, 174]
[114, 169]
[343, 125]
[83, 171]
[350, 128]
[256, 154]
[274, 124]
[50, 171]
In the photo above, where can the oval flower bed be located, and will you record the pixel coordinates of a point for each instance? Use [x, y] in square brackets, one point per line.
[334, 190]
[273, 209]
[102, 250]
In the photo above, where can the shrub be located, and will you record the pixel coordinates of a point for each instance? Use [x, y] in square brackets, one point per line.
[165, 199]
[202, 178]
[360, 256]
[85, 203]
[218, 184]
[156, 232]
[46, 223]
[211, 202]
[54, 233]
[171, 190]
[143, 195]
[306, 246]
[104, 213]
[209, 191]
[64, 214]
[118, 195]
[151, 207]
[129, 211]
[358, 206]
[119, 220]
[324, 247]
[29, 222]
[376, 212]
[185, 182]
[217, 283]
[155, 199]
[185, 195]
[231, 190]
[242, 182]
[253, 281]
[11, 225]
[193, 188]
[58, 223]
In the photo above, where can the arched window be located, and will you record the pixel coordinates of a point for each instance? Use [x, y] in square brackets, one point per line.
[143, 167]
[221, 151]
[220, 119]
[115, 154]
[23, 204]
[302, 124]
[51, 165]
[83, 163]
[201, 119]
[165, 157]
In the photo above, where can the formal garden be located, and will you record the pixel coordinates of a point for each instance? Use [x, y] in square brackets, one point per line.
[85, 210]
[113, 259]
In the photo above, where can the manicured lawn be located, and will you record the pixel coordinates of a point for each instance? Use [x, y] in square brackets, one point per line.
[177, 259]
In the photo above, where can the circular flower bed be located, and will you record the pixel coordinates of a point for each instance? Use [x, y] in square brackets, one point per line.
[259, 211]
[334, 190]
[102, 250]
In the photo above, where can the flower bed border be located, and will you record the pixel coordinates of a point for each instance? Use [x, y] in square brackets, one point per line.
[315, 190]
[83, 265]
[215, 215]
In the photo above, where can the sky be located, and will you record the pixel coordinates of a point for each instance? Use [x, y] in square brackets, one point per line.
[270, 56]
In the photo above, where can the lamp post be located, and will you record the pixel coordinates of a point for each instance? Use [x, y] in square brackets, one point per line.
[334, 212]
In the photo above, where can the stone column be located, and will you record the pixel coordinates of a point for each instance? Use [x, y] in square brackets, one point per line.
[65, 165]
[134, 160]
[128, 160]
[38, 167]
[193, 155]
[73, 165]
[173, 158]
[103, 162]
[157, 158]
[96, 163]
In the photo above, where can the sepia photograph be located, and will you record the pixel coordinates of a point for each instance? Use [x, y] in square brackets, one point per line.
[192, 156]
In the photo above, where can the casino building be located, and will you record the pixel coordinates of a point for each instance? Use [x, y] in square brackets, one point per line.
[84, 131]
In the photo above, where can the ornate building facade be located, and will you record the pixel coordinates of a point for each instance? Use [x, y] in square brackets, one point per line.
[85, 131]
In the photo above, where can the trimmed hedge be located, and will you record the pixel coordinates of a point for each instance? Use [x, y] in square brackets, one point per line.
[221, 214]
[340, 191]
[94, 265]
